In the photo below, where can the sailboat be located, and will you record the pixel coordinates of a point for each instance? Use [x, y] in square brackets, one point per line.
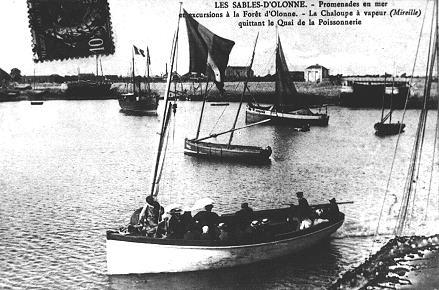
[382, 128]
[133, 252]
[139, 101]
[209, 52]
[290, 107]
[90, 89]
[36, 97]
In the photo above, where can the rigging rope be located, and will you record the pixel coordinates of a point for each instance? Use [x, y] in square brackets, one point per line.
[417, 148]
[399, 135]
[219, 118]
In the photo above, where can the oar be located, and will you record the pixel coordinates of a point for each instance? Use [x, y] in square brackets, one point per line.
[231, 130]
[325, 204]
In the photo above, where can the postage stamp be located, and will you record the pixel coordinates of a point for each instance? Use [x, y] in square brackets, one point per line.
[63, 29]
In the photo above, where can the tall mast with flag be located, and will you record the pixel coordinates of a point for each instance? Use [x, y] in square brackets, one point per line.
[208, 54]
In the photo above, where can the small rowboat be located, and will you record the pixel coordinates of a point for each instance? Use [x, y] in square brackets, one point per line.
[225, 151]
[131, 253]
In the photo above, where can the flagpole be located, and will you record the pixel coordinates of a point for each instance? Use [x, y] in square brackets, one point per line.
[133, 76]
[147, 68]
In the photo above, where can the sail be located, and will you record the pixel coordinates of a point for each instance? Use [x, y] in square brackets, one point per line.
[287, 96]
[207, 51]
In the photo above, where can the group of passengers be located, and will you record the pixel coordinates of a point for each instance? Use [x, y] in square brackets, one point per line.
[176, 223]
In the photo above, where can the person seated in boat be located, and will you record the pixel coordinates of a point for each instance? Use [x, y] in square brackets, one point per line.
[224, 233]
[244, 216]
[292, 218]
[254, 233]
[175, 227]
[265, 230]
[194, 232]
[205, 233]
[151, 216]
[304, 210]
[208, 218]
[332, 211]
[135, 226]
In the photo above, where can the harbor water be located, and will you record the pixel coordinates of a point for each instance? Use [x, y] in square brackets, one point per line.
[69, 170]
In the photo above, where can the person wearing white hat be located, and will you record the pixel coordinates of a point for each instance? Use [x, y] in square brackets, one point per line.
[208, 218]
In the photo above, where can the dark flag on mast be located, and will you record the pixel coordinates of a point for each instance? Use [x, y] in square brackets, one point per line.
[148, 59]
[207, 50]
[139, 51]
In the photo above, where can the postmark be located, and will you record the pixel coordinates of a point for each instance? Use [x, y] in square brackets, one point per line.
[63, 29]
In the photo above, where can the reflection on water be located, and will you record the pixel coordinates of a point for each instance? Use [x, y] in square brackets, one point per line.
[70, 165]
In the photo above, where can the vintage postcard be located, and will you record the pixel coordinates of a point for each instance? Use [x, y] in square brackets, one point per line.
[219, 144]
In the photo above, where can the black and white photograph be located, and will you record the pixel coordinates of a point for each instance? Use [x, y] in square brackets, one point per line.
[219, 144]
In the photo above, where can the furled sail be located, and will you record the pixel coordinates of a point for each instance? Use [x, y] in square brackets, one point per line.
[207, 51]
[287, 96]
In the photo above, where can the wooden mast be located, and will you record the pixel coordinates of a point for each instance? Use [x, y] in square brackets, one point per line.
[147, 68]
[133, 74]
[166, 108]
[243, 91]
[384, 98]
[202, 110]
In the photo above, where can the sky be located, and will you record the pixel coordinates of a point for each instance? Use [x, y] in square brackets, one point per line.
[378, 45]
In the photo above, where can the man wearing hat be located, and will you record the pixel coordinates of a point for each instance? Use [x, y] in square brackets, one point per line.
[151, 216]
[244, 216]
[333, 210]
[208, 218]
[304, 210]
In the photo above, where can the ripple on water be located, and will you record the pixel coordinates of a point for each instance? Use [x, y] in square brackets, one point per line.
[72, 169]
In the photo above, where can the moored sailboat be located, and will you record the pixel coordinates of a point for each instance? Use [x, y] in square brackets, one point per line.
[290, 107]
[384, 129]
[210, 53]
[139, 101]
[134, 252]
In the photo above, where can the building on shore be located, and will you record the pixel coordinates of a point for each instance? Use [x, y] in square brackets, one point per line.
[316, 73]
[237, 73]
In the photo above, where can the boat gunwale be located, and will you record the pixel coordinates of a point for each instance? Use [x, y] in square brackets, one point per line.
[288, 115]
[298, 234]
[223, 146]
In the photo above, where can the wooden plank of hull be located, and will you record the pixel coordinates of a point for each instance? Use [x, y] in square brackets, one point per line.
[256, 115]
[124, 257]
[221, 151]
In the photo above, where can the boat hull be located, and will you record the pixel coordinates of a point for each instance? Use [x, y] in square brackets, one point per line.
[222, 151]
[82, 90]
[386, 129]
[145, 104]
[253, 115]
[126, 256]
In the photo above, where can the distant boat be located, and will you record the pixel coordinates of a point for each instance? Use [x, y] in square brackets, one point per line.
[219, 104]
[290, 107]
[364, 93]
[139, 101]
[215, 58]
[8, 95]
[36, 96]
[36, 102]
[385, 129]
[90, 89]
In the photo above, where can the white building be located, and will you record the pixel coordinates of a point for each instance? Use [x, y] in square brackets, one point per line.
[316, 73]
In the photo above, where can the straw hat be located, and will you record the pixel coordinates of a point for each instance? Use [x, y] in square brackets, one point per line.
[201, 203]
[254, 223]
[174, 208]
